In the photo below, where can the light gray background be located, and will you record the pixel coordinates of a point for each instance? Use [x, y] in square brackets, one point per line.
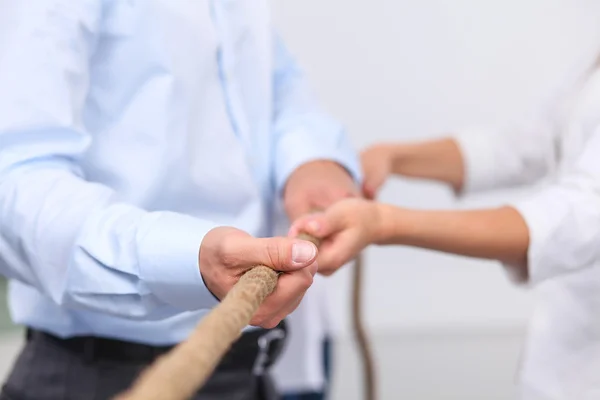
[443, 327]
[403, 70]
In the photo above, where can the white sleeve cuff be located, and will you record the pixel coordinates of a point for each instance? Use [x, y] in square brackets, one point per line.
[478, 153]
[168, 251]
[544, 215]
[300, 147]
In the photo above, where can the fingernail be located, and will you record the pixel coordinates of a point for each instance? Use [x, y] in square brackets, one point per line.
[303, 252]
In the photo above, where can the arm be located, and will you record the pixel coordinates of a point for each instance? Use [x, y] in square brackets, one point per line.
[470, 161]
[437, 160]
[351, 225]
[553, 232]
[75, 241]
[499, 233]
[475, 159]
[314, 162]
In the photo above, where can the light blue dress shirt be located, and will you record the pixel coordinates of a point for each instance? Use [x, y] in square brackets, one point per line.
[128, 130]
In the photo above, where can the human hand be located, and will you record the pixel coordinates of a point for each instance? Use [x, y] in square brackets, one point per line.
[377, 165]
[227, 253]
[345, 228]
[315, 186]
[435, 160]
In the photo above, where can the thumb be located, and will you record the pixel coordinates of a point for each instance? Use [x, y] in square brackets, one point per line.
[281, 254]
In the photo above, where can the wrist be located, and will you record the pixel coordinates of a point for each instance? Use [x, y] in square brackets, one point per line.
[387, 227]
[401, 155]
[326, 163]
[437, 160]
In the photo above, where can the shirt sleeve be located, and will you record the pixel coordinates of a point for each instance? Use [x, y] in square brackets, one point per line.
[73, 240]
[564, 219]
[302, 131]
[527, 151]
[511, 157]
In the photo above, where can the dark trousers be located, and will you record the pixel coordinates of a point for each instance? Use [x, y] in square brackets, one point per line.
[49, 368]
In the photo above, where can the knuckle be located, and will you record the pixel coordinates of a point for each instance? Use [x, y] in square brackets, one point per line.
[228, 254]
[257, 320]
[273, 253]
[270, 324]
[228, 260]
[325, 264]
[336, 262]
[291, 202]
[326, 270]
[336, 267]
[307, 281]
[332, 266]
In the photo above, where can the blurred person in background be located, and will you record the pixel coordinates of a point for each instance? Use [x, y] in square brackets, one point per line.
[143, 148]
[549, 240]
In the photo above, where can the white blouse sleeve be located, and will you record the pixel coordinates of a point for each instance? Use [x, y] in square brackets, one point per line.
[564, 219]
[525, 152]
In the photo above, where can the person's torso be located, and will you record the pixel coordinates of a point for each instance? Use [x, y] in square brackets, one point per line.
[561, 359]
[179, 110]
[179, 106]
[577, 120]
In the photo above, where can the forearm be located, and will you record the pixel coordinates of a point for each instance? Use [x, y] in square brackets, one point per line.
[73, 240]
[499, 234]
[438, 160]
[84, 250]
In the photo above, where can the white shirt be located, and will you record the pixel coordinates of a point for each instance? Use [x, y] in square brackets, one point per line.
[561, 359]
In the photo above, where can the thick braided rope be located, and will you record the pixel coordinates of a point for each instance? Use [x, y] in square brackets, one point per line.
[179, 374]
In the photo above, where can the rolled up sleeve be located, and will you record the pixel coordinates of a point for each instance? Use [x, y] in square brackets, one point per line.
[564, 219]
[525, 151]
[508, 157]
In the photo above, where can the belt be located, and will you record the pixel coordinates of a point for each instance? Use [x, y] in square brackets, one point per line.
[255, 350]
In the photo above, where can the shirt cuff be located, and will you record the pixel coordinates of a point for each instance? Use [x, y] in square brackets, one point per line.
[542, 227]
[478, 152]
[300, 147]
[168, 253]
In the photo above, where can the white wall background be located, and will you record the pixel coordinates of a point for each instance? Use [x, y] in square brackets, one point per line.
[403, 70]
[443, 327]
